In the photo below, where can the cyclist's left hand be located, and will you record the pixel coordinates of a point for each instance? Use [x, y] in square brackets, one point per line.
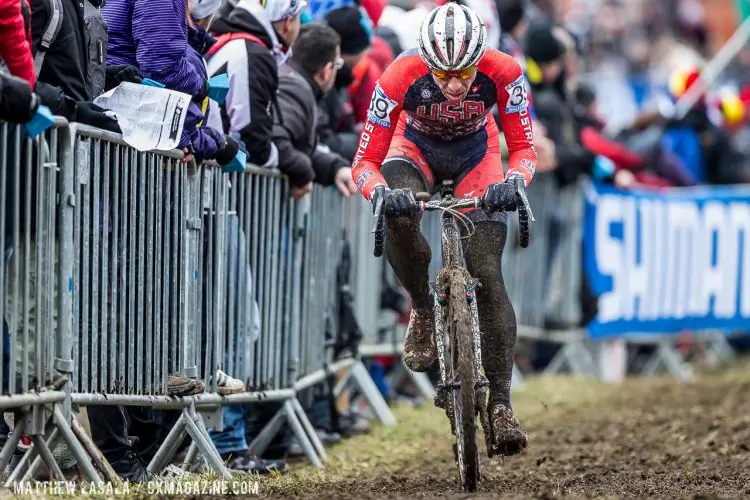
[501, 196]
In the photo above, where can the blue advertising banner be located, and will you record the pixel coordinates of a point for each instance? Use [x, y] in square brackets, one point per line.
[669, 261]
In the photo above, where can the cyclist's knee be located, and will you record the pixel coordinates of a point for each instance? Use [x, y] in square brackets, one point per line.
[401, 173]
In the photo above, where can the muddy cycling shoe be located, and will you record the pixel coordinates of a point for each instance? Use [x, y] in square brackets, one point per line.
[420, 350]
[509, 438]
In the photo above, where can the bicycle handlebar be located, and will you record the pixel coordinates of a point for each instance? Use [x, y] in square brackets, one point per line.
[524, 213]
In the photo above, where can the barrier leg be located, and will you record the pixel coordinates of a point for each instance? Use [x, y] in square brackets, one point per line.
[38, 453]
[45, 455]
[190, 457]
[96, 455]
[10, 445]
[76, 447]
[177, 435]
[299, 432]
[667, 356]
[198, 432]
[421, 380]
[264, 437]
[307, 426]
[372, 394]
[719, 349]
[341, 384]
[577, 358]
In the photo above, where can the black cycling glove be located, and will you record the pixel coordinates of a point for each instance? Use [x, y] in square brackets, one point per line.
[501, 196]
[396, 202]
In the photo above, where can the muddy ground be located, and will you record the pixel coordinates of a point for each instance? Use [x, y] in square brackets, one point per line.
[643, 438]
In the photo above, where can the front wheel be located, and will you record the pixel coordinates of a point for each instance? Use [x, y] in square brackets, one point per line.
[461, 361]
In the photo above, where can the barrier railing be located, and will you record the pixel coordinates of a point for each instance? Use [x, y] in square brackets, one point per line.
[36, 234]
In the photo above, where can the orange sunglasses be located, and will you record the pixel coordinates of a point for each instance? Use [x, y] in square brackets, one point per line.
[463, 74]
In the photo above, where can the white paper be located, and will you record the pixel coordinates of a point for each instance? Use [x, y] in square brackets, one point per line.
[150, 117]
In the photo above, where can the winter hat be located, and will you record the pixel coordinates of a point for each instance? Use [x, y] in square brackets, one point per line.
[510, 12]
[354, 28]
[201, 9]
[541, 44]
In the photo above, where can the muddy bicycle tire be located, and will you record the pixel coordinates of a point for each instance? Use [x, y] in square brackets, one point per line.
[458, 325]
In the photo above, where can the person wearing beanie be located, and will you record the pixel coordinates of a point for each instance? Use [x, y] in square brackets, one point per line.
[336, 119]
[544, 61]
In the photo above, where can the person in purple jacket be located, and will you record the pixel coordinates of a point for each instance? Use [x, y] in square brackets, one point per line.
[155, 38]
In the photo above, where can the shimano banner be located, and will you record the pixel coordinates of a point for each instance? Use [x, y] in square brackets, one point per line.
[669, 261]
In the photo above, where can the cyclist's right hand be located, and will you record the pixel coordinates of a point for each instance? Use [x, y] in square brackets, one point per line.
[396, 202]
[501, 196]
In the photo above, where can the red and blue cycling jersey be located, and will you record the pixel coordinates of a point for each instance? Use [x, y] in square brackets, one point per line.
[410, 118]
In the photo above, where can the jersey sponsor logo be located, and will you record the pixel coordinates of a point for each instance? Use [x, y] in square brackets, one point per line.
[452, 112]
[380, 107]
[362, 179]
[529, 165]
[517, 98]
[526, 124]
[364, 141]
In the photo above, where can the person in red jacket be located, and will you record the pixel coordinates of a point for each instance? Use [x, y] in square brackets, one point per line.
[15, 40]
[430, 120]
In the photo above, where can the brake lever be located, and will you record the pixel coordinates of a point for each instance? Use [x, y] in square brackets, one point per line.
[376, 214]
[520, 187]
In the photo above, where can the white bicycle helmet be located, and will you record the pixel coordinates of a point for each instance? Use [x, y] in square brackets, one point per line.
[452, 38]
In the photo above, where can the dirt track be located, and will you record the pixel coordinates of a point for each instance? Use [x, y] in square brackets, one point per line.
[644, 438]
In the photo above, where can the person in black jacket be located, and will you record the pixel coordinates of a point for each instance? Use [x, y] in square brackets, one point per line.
[252, 41]
[302, 84]
[65, 81]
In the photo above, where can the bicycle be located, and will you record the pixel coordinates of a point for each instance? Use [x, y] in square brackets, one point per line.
[462, 391]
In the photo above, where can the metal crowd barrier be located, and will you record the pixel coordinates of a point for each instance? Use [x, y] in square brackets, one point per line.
[36, 234]
[123, 268]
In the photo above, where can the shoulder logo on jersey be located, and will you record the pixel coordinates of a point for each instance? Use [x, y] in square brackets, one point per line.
[380, 107]
[517, 99]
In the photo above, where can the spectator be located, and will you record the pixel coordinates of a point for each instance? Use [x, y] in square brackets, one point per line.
[546, 76]
[153, 36]
[513, 25]
[15, 50]
[302, 84]
[336, 123]
[252, 41]
[64, 82]
[356, 40]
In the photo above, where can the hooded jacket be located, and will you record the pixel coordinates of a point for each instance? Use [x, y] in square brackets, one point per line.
[248, 111]
[153, 36]
[301, 158]
[66, 62]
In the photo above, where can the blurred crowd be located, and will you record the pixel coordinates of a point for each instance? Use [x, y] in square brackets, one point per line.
[605, 78]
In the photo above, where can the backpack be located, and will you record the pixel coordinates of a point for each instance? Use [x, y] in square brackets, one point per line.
[95, 39]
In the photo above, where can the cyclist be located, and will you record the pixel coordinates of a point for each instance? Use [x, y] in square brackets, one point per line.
[429, 120]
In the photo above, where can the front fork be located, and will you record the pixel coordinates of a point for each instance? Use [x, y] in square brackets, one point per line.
[442, 398]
